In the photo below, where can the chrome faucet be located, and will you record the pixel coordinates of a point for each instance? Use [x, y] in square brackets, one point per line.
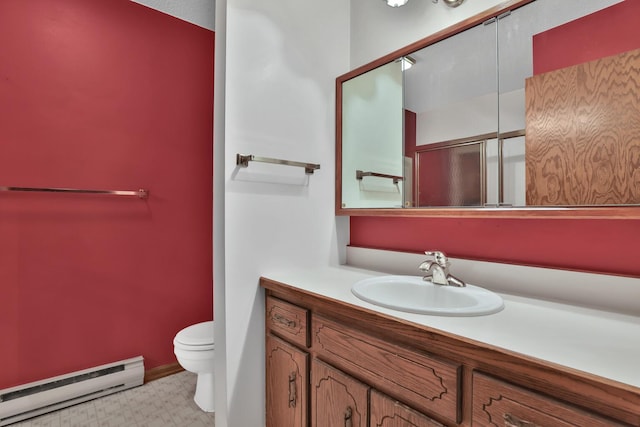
[437, 270]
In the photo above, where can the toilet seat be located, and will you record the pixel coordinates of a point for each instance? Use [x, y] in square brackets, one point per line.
[198, 337]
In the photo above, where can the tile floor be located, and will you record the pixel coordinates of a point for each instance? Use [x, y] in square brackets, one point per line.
[162, 403]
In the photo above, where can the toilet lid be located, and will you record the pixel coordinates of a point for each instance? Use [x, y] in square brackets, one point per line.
[195, 335]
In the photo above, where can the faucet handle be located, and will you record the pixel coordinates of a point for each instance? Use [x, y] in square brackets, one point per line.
[439, 257]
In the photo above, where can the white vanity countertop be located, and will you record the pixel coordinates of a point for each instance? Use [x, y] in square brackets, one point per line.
[598, 342]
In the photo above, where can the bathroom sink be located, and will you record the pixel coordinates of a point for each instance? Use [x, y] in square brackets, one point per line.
[414, 295]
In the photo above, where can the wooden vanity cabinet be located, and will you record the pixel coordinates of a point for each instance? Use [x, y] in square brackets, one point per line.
[331, 364]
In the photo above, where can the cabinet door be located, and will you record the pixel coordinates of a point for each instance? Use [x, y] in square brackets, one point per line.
[287, 381]
[386, 412]
[337, 400]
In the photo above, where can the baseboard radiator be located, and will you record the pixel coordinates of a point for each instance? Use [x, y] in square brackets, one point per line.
[33, 399]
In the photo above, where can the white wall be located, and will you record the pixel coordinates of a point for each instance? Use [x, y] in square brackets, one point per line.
[282, 58]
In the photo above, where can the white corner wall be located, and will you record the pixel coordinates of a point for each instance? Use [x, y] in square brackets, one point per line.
[198, 12]
[282, 58]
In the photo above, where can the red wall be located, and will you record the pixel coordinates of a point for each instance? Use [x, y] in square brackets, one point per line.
[609, 246]
[107, 95]
[607, 32]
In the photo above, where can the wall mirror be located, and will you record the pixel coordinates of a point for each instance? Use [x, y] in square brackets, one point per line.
[532, 108]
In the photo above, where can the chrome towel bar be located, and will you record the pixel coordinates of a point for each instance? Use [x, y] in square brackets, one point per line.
[360, 175]
[243, 160]
[141, 193]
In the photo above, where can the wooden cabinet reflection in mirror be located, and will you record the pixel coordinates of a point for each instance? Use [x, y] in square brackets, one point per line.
[583, 133]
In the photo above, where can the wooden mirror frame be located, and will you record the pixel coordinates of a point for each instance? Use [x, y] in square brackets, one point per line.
[608, 212]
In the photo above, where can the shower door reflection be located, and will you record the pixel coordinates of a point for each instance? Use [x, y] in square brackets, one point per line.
[451, 175]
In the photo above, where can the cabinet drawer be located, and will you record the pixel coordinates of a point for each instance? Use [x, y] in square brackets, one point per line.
[423, 382]
[386, 412]
[288, 320]
[496, 403]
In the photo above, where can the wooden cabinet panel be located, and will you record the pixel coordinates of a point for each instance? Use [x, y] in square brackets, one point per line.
[496, 403]
[288, 321]
[337, 400]
[386, 412]
[287, 384]
[583, 133]
[425, 383]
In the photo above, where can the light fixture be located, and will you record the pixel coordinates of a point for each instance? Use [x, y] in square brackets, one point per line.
[450, 3]
[396, 3]
[406, 62]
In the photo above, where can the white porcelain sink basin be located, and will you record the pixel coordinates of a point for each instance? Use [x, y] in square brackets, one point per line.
[414, 295]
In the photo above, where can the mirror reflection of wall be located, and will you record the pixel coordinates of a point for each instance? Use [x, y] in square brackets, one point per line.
[452, 88]
[372, 135]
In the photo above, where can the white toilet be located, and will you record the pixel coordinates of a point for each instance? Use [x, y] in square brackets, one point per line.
[194, 349]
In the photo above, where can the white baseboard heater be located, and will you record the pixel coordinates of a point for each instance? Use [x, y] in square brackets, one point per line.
[33, 399]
